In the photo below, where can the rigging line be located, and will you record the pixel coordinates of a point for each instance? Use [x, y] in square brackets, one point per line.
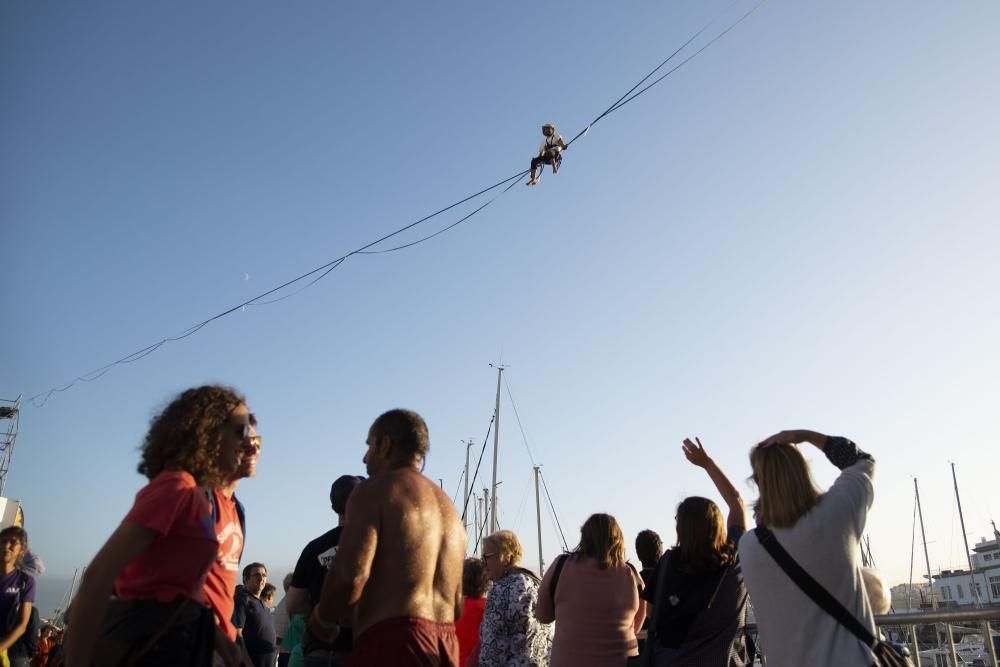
[454, 498]
[521, 506]
[523, 436]
[304, 287]
[652, 72]
[454, 224]
[329, 266]
[913, 543]
[552, 517]
[689, 58]
[554, 513]
[44, 396]
[472, 481]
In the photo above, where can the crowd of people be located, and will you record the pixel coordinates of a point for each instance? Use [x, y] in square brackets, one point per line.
[390, 583]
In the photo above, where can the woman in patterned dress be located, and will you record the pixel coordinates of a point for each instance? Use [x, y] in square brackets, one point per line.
[509, 635]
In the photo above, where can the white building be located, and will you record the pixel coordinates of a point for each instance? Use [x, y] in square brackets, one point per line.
[959, 588]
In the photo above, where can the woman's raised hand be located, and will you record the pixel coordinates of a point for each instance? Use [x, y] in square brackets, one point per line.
[695, 452]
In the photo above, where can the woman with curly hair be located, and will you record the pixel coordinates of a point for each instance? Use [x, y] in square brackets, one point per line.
[593, 595]
[157, 560]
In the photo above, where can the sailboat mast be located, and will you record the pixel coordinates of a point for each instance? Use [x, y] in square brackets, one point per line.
[465, 496]
[923, 536]
[494, 526]
[538, 519]
[965, 539]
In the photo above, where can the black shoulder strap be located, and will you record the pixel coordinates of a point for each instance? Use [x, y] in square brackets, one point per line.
[811, 587]
[661, 578]
[560, 562]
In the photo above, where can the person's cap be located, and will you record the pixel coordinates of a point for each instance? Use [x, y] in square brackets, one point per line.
[341, 491]
[548, 125]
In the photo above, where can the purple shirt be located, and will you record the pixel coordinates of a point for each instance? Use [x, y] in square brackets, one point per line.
[10, 589]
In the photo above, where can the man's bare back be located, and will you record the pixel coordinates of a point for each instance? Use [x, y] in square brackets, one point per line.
[419, 549]
[398, 570]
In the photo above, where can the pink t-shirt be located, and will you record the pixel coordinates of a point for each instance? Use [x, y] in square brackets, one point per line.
[176, 563]
[594, 612]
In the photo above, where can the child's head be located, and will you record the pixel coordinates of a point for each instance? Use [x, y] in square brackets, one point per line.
[267, 595]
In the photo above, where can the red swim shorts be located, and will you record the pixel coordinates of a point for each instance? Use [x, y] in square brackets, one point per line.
[406, 642]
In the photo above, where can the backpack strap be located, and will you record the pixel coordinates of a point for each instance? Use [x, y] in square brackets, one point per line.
[636, 577]
[661, 578]
[812, 588]
[560, 563]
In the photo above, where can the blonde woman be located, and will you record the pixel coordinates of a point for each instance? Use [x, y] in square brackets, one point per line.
[509, 634]
[594, 599]
[819, 531]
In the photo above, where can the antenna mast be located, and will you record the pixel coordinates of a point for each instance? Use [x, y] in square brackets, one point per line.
[10, 412]
[494, 526]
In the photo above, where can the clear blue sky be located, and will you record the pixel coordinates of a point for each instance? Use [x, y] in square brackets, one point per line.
[797, 229]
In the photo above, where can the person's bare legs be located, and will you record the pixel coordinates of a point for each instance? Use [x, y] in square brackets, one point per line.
[534, 179]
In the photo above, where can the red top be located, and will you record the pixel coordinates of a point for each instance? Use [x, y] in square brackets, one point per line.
[176, 563]
[467, 627]
[221, 581]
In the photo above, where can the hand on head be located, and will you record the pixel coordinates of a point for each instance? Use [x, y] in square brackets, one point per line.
[695, 452]
[782, 438]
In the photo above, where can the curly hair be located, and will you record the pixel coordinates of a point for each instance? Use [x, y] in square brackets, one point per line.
[187, 435]
[475, 583]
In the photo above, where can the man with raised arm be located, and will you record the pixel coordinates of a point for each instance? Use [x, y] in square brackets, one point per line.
[398, 568]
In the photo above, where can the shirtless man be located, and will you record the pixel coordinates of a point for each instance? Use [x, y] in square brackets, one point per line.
[399, 564]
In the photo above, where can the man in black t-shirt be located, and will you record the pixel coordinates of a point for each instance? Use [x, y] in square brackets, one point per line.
[307, 581]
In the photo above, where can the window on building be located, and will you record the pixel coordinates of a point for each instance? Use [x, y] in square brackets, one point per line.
[987, 556]
[995, 586]
[946, 592]
[961, 593]
[979, 590]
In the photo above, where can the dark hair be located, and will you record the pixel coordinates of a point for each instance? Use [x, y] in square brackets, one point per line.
[649, 548]
[475, 583]
[406, 430]
[187, 435]
[268, 591]
[701, 535]
[17, 532]
[601, 539]
[341, 490]
[249, 568]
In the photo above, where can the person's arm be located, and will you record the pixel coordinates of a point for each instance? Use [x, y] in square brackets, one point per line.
[545, 610]
[8, 639]
[297, 601]
[696, 454]
[854, 491]
[349, 572]
[795, 437]
[91, 601]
